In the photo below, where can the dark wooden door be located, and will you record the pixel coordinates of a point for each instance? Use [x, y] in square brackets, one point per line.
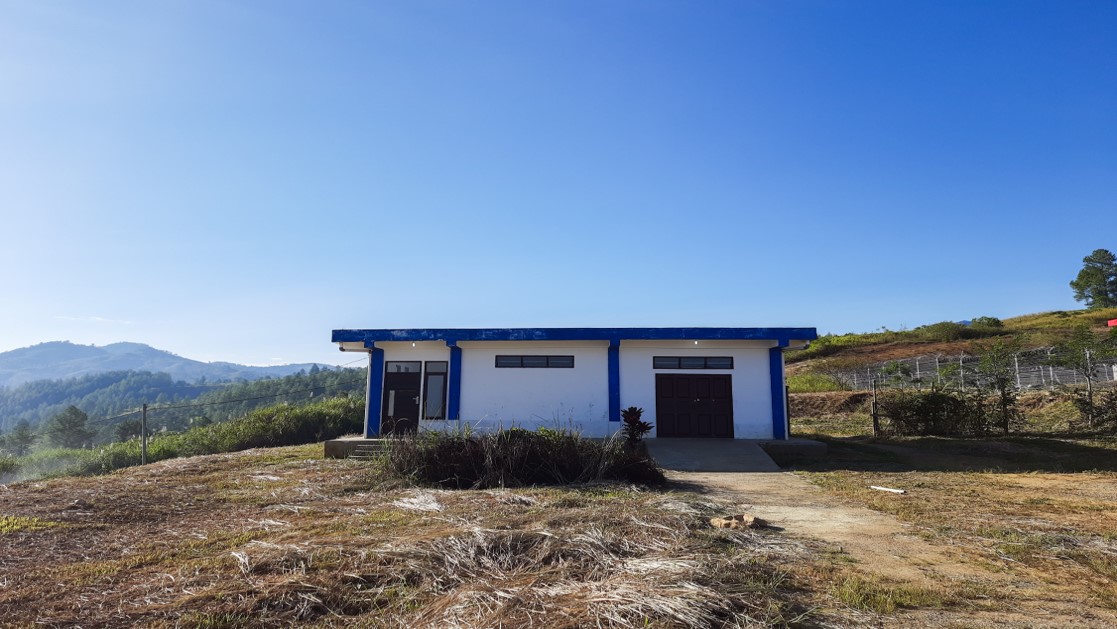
[693, 405]
[400, 411]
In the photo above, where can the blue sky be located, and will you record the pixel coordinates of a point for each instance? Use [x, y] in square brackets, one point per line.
[232, 180]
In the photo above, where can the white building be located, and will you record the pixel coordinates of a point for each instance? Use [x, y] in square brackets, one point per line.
[691, 382]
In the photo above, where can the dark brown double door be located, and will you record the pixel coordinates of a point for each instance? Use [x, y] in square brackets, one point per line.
[693, 405]
[400, 411]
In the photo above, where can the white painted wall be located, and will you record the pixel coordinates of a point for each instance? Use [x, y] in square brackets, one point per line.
[576, 398]
[423, 350]
[752, 393]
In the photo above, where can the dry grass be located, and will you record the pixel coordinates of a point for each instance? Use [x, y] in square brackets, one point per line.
[281, 537]
[1040, 511]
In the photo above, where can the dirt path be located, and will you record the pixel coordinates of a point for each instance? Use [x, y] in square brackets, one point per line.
[878, 542]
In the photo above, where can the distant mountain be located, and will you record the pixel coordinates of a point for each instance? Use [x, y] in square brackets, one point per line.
[59, 360]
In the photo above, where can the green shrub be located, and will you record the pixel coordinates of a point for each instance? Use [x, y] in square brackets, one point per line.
[57, 462]
[987, 322]
[1098, 411]
[9, 466]
[935, 413]
[516, 457]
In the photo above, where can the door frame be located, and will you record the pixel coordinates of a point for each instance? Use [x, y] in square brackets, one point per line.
[389, 425]
[727, 378]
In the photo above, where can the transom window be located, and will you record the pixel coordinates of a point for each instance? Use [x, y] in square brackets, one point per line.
[536, 362]
[692, 362]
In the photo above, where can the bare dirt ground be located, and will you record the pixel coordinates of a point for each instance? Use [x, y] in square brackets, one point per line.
[888, 549]
[1032, 521]
[870, 538]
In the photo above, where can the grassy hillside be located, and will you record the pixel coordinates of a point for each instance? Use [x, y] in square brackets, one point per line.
[1033, 330]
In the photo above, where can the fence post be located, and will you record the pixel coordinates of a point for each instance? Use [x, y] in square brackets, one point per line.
[143, 436]
[962, 370]
[876, 412]
[1016, 361]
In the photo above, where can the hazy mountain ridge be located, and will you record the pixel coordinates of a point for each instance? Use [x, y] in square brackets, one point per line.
[59, 360]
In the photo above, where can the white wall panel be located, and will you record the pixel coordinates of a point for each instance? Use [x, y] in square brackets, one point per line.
[576, 398]
[752, 397]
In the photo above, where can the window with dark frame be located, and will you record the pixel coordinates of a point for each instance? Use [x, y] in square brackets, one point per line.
[434, 389]
[534, 362]
[692, 362]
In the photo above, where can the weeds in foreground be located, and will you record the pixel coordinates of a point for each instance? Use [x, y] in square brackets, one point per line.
[516, 457]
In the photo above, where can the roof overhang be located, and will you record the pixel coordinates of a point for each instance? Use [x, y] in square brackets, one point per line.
[452, 335]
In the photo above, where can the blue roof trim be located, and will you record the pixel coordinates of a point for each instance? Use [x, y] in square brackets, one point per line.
[784, 335]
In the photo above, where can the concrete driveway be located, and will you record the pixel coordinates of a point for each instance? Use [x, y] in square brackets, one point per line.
[710, 455]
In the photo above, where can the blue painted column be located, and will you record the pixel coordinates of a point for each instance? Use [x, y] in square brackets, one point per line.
[374, 391]
[454, 388]
[614, 380]
[779, 408]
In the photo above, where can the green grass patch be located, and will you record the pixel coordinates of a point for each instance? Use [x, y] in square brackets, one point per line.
[19, 524]
[875, 596]
[813, 383]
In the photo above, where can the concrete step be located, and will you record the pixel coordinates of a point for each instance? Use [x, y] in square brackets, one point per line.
[368, 450]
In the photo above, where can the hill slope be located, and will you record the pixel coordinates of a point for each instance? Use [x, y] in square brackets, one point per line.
[58, 360]
[1033, 330]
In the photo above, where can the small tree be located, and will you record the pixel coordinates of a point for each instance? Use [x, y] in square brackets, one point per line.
[67, 429]
[996, 371]
[127, 429]
[1096, 284]
[897, 374]
[20, 440]
[1082, 352]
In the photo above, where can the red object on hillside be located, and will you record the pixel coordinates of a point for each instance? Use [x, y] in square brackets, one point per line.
[1113, 323]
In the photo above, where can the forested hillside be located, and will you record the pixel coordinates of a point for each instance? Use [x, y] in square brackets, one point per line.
[59, 360]
[99, 395]
[173, 404]
[236, 400]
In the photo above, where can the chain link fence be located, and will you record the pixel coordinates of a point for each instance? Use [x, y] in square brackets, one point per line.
[1034, 370]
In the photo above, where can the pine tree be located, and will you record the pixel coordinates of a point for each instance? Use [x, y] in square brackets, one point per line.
[1096, 284]
[67, 429]
[19, 442]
